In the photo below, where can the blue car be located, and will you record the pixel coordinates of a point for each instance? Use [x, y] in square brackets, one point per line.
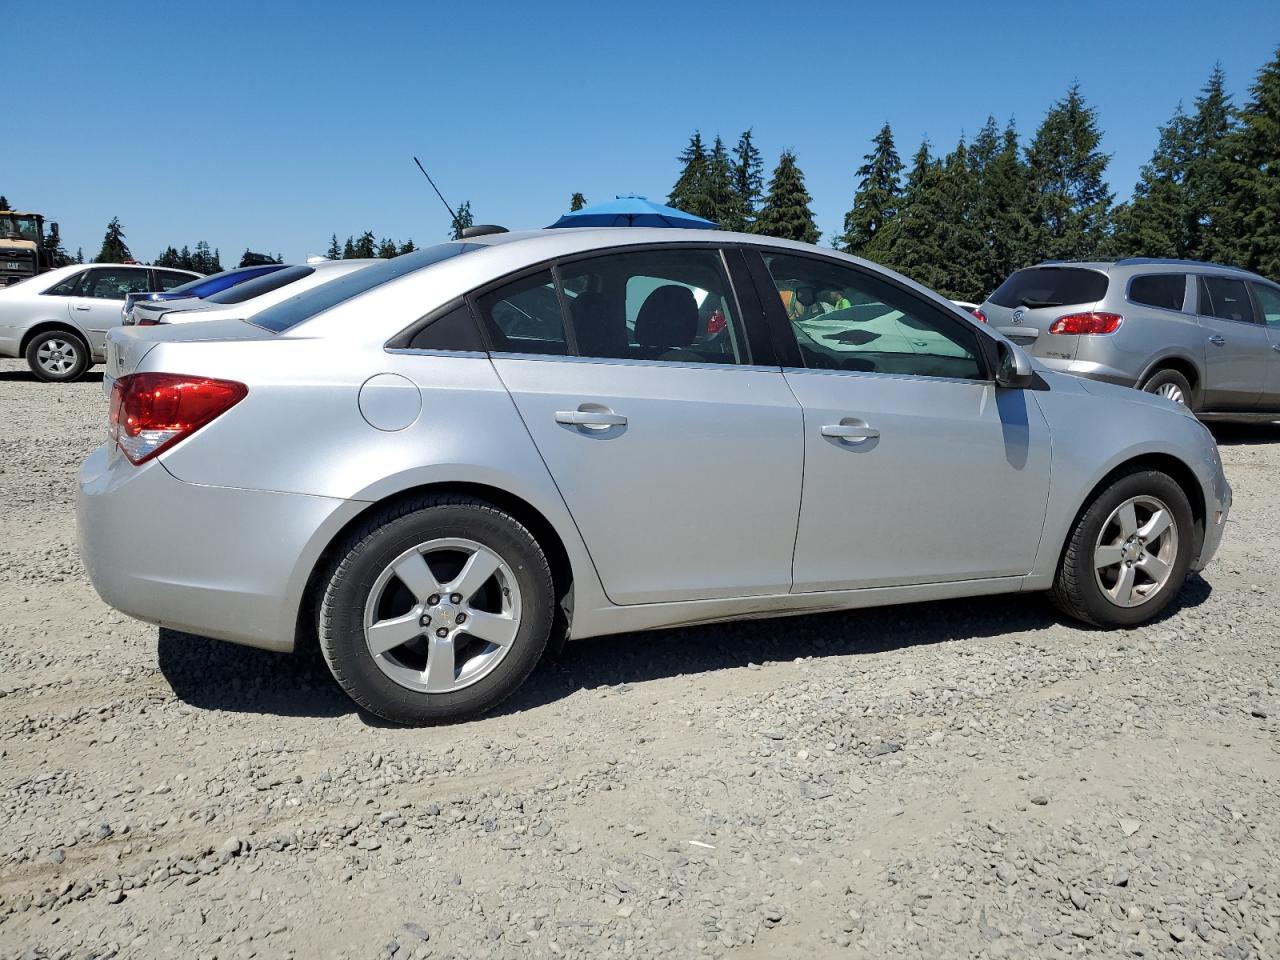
[200, 288]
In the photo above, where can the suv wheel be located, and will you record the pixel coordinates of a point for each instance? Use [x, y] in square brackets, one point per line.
[1129, 552]
[438, 610]
[58, 356]
[1171, 385]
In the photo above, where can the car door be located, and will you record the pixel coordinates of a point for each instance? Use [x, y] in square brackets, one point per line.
[1237, 353]
[918, 469]
[678, 454]
[1267, 300]
[95, 307]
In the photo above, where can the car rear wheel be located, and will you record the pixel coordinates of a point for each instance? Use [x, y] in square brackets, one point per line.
[438, 610]
[58, 356]
[1171, 385]
[1129, 552]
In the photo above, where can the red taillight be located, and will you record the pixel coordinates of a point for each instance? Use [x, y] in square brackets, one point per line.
[150, 412]
[715, 323]
[148, 323]
[979, 315]
[1086, 323]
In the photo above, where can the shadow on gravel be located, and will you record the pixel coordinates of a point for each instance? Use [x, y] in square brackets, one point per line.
[213, 675]
[26, 376]
[1243, 434]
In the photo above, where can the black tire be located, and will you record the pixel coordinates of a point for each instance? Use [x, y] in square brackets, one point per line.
[1171, 379]
[1075, 588]
[380, 540]
[56, 339]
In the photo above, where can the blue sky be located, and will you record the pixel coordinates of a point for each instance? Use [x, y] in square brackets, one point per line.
[273, 125]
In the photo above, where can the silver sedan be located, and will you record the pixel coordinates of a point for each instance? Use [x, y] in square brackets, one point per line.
[437, 465]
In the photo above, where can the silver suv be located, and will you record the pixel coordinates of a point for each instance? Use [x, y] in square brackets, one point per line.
[1200, 334]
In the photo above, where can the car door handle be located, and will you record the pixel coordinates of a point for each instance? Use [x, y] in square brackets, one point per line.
[850, 431]
[1217, 341]
[591, 418]
[80, 306]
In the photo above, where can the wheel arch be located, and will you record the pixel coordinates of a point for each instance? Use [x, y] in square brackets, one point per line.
[43, 326]
[1173, 361]
[544, 532]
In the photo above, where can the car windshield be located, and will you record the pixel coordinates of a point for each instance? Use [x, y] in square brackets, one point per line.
[24, 228]
[306, 305]
[1051, 287]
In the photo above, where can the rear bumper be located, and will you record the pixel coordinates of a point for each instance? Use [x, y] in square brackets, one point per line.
[220, 562]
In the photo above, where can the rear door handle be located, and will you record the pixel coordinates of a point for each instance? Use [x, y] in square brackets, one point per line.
[1217, 341]
[591, 418]
[80, 306]
[850, 431]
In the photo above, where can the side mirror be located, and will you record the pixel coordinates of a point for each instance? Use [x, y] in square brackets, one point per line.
[1013, 368]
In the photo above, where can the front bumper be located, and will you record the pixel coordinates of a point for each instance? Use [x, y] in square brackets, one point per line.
[220, 562]
[1215, 524]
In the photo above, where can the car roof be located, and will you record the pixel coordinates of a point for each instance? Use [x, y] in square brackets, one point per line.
[1152, 265]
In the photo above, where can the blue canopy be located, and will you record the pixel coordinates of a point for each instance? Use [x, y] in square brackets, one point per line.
[631, 210]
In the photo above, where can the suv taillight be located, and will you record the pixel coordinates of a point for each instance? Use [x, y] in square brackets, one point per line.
[1086, 323]
[979, 315]
[150, 412]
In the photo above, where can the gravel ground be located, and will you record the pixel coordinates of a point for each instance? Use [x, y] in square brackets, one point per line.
[974, 779]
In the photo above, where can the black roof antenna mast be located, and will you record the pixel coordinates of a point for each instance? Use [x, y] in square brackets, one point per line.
[453, 217]
[478, 230]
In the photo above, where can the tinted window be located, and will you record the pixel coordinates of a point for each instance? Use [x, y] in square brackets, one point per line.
[845, 319]
[672, 305]
[68, 286]
[318, 299]
[1225, 299]
[1163, 290]
[1269, 303]
[113, 283]
[453, 328]
[1051, 287]
[169, 279]
[260, 285]
[524, 316]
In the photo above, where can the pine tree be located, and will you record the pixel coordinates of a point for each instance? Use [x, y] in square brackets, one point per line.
[387, 249]
[4, 202]
[723, 204]
[334, 252]
[407, 247]
[79, 254]
[114, 249]
[577, 202]
[1072, 203]
[897, 243]
[1247, 227]
[169, 258]
[365, 248]
[786, 211]
[1160, 221]
[1208, 179]
[462, 219]
[876, 200]
[748, 178]
[1003, 206]
[689, 192]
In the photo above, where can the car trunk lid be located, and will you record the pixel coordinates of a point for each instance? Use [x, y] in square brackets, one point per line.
[1025, 306]
[127, 346]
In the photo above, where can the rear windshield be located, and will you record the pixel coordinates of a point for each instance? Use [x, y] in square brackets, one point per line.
[1051, 287]
[207, 286]
[306, 305]
[260, 285]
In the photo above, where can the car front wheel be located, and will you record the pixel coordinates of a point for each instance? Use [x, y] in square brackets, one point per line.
[437, 610]
[58, 356]
[1128, 553]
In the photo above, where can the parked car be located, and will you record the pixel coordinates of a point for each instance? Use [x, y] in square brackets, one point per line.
[244, 300]
[439, 464]
[1198, 334]
[200, 288]
[59, 320]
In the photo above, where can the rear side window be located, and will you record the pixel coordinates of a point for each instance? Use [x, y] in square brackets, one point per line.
[317, 300]
[68, 286]
[524, 316]
[1051, 287]
[452, 328]
[1268, 303]
[260, 285]
[1163, 290]
[169, 279]
[1225, 299]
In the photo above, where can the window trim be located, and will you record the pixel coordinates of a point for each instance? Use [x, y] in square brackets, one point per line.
[781, 326]
[1248, 293]
[1128, 291]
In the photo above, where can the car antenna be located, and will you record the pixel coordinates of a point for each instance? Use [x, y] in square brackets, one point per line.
[452, 215]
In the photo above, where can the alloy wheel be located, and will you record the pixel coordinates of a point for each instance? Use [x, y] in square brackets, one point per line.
[1136, 551]
[57, 356]
[1171, 391]
[442, 615]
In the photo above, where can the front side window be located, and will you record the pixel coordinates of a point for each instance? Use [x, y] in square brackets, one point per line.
[844, 319]
[524, 316]
[1163, 290]
[1269, 303]
[114, 283]
[1225, 298]
[671, 305]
